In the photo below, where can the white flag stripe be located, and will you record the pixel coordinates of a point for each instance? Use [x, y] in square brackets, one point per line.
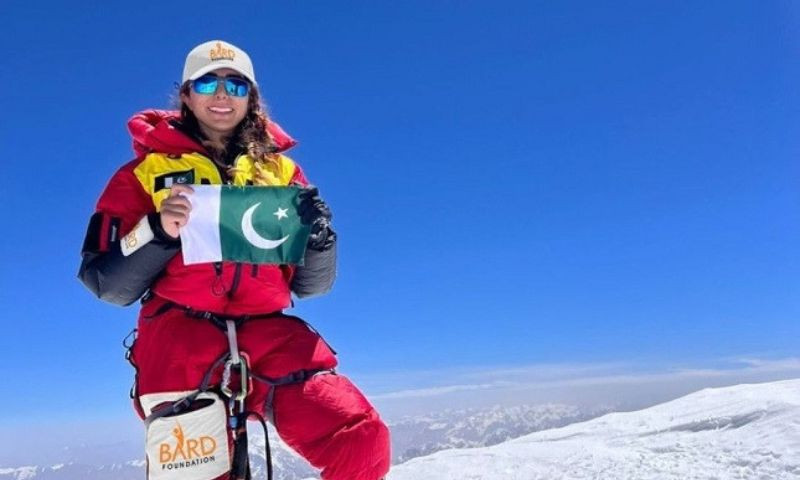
[200, 240]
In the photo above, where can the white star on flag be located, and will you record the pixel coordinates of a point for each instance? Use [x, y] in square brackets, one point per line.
[281, 213]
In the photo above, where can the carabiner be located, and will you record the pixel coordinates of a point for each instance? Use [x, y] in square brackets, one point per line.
[244, 377]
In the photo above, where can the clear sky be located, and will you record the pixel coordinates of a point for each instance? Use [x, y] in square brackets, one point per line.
[513, 183]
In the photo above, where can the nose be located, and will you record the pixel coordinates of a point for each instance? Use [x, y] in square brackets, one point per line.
[221, 92]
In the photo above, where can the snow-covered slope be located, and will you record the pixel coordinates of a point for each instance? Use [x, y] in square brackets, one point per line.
[740, 432]
[422, 435]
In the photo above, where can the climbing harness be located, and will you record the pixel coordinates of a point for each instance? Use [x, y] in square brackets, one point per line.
[206, 407]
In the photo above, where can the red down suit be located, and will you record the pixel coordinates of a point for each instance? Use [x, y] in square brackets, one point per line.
[324, 417]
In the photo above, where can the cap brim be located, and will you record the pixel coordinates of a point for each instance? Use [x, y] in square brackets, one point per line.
[218, 65]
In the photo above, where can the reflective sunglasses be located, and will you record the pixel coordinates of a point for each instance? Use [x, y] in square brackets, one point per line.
[234, 86]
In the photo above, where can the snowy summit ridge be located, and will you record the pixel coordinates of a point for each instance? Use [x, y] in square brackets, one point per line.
[739, 432]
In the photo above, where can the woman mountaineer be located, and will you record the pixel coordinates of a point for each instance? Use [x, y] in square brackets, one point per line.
[222, 135]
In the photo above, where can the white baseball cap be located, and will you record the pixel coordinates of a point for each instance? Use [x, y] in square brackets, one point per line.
[217, 54]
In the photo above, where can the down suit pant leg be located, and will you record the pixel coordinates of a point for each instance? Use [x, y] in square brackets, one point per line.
[325, 418]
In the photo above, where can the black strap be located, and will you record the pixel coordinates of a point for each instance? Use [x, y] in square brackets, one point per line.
[298, 376]
[240, 469]
[267, 449]
[217, 319]
[184, 403]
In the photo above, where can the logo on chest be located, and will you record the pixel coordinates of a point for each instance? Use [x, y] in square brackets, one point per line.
[169, 179]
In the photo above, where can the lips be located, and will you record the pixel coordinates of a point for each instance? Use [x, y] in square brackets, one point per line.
[220, 110]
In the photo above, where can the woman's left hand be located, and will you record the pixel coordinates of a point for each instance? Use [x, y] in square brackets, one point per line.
[312, 206]
[315, 212]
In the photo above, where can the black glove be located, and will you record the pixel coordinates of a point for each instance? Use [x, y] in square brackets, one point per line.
[315, 212]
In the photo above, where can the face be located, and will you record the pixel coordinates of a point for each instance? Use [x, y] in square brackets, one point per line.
[218, 114]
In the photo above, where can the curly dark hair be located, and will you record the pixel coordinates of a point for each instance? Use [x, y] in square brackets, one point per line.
[250, 136]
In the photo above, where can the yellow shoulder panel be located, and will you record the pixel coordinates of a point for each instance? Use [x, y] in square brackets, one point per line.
[158, 172]
[278, 172]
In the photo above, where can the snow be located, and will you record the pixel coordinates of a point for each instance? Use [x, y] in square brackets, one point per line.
[20, 473]
[740, 432]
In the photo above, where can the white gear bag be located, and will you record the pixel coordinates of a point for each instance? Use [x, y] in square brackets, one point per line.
[188, 439]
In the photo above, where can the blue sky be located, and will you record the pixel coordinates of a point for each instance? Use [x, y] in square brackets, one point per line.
[513, 183]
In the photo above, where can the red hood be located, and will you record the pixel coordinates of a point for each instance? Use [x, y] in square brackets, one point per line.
[152, 132]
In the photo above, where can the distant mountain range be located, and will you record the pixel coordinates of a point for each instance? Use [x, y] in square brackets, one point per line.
[419, 436]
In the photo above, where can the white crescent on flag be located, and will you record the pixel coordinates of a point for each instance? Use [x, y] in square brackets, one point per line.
[253, 237]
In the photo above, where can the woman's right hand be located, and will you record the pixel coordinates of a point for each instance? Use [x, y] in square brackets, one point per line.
[175, 209]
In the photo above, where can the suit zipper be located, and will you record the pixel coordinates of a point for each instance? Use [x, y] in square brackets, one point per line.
[237, 274]
[223, 174]
[218, 287]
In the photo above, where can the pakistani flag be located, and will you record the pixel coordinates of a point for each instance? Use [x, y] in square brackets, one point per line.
[244, 224]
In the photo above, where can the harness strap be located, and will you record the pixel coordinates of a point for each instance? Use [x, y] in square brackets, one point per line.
[233, 345]
[298, 376]
[183, 403]
[267, 448]
[218, 319]
[240, 468]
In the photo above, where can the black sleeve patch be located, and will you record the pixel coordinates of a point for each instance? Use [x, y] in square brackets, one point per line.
[113, 229]
[92, 241]
[169, 179]
[100, 235]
